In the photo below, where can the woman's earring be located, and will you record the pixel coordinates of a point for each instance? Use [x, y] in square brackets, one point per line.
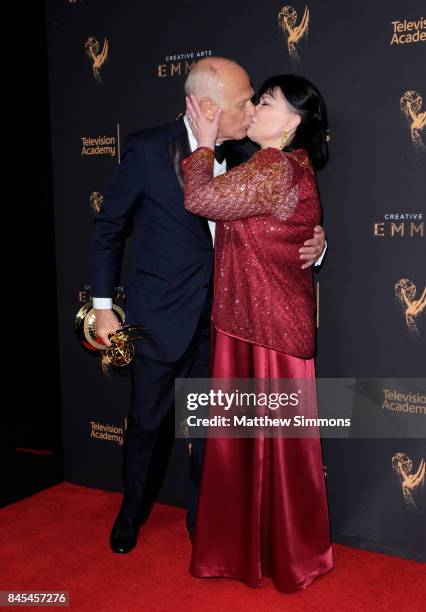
[284, 139]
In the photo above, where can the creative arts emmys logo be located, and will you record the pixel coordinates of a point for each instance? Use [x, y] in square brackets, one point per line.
[287, 20]
[405, 293]
[97, 57]
[400, 225]
[96, 201]
[411, 107]
[180, 64]
[410, 481]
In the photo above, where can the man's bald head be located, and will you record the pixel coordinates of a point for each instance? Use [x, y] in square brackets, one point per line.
[211, 77]
[218, 82]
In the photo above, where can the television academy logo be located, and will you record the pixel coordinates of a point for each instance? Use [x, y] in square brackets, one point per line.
[411, 107]
[411, 482]
[413, 309]
[99, 145]
[107, 432]
[287, 19]
[97, 57]
[408, 32]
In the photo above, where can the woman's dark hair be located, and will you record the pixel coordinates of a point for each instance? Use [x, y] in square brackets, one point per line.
[312, 132]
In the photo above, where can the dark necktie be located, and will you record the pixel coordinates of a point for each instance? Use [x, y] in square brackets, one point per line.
[219, 153]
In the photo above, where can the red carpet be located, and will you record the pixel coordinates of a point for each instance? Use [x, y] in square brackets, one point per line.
[58, 540]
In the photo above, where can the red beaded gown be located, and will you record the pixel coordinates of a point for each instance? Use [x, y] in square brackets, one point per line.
[262, 506]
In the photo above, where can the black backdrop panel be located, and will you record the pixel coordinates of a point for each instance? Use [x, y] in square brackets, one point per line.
[372, 193]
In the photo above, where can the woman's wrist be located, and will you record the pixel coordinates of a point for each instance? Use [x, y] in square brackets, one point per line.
[207, 145]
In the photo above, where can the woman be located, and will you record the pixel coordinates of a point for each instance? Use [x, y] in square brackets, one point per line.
[262, 507]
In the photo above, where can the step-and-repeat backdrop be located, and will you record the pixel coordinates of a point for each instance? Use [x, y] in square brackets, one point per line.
[117, 67]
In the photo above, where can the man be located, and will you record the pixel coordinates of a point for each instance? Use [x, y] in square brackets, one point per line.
[170, 290]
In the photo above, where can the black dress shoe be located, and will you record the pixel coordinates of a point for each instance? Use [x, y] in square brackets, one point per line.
[123, 536]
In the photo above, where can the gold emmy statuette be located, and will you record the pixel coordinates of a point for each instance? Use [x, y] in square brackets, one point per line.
[405, 292]
[411, 107]
[287, 18]
[96, 201]
[410, 481]
[97, 56]
[121, 351]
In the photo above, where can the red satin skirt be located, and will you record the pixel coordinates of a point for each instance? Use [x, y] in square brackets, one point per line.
[262, 507]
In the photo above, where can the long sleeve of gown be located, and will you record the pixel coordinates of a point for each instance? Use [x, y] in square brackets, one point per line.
[266, 184]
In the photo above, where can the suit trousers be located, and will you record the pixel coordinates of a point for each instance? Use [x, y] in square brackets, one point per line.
[151, 426]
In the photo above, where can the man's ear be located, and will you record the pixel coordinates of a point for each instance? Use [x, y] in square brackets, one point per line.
[208, 108]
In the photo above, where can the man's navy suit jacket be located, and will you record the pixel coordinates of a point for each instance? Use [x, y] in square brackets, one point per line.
[172, 260]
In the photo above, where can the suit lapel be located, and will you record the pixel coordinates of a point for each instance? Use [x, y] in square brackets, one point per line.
[178, 149]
